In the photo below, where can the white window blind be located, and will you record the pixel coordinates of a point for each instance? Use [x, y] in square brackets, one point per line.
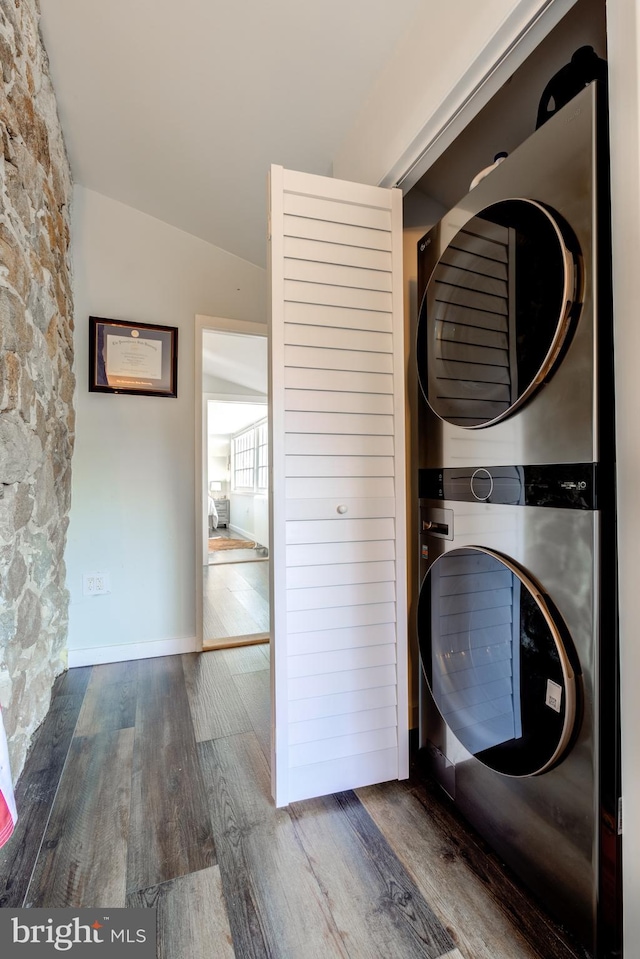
[250, 458]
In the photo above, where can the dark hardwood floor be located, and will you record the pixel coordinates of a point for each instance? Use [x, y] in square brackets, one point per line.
[149, 785]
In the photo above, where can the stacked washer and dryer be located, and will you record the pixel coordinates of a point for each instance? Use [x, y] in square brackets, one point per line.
[517, 619]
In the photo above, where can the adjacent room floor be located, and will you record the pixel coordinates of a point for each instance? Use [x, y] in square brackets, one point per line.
[149, 785]
[220, 541]
[235, 602]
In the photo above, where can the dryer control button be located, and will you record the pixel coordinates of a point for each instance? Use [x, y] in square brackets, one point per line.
[482, 484]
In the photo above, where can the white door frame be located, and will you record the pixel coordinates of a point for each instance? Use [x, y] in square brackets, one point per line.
[218, 324]
[623, 37]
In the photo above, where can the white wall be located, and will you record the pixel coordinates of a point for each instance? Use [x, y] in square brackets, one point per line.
[250, 516]
[133, 505]
[218, 452]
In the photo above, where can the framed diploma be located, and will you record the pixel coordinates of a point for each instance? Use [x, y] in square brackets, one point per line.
[132, 358]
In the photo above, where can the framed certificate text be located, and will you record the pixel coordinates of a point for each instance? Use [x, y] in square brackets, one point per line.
[132, 358]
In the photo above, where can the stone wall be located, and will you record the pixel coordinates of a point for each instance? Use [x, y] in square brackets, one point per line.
[36, 379]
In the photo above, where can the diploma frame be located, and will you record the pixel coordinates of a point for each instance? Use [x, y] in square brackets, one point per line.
[149, 368]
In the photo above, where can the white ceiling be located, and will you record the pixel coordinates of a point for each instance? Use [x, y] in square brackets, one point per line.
[178, 109]
[225, 419]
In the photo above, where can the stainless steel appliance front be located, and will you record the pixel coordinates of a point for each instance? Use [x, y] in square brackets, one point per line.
[517, 611]
[513, 737]
[507, 329]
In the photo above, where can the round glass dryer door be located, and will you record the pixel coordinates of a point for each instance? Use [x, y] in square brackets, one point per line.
[498, 661]
[497, 312]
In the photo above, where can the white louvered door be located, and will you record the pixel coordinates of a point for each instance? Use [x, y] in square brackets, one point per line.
[338, 607]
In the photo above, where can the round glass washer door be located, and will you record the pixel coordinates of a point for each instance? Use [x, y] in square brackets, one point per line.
[497, 312]
[499, 662]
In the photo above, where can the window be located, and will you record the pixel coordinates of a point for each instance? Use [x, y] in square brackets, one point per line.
[250, 456]
[244, 460]
[262, 457]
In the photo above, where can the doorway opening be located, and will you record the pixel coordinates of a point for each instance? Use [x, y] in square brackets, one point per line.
[235, 594]
[234, 541]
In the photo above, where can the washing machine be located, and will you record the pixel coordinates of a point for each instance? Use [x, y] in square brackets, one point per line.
[517, 611]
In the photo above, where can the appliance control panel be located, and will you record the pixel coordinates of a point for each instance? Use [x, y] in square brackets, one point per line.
[568, 486]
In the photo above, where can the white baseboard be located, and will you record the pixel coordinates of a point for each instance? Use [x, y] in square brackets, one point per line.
[97, 655]
[248, 534]
[243, 532]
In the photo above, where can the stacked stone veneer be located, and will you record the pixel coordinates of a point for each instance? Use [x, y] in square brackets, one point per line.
[36, 379]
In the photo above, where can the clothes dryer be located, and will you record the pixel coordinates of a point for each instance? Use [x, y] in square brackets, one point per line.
[511, 286]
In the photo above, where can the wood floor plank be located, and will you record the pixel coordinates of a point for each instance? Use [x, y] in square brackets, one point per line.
[237, 619]
[73, 682]
[109, 702]
[228, 617]
[170, 832]
[108, 673]
[191, 916]
[440, 853]
[274, 902]
[84, 854]
[255, 695]
[255, 605]
[244, 597]
[227, 577]
[256, 575]
[212, 626]
[215, 667]
[216, 707]
[245, 659]
[231, 606]
[217, 594]
[370, 892]
[36, 788]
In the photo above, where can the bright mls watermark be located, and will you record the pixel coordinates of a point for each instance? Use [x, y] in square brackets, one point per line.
[83, 933]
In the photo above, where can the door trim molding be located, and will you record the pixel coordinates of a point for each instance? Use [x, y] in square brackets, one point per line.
[623, 40]
[522, 30]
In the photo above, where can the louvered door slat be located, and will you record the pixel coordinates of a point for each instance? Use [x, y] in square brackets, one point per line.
[340, 465]
[363, 508]
[315, 314]
[344, 381]
[341, 359]
[329, 210]
[326, 231]
[337, 275]
[339, 627]
[337, 444]
[308, 249]
[324, 640]
[336, 339]
[360, 551]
